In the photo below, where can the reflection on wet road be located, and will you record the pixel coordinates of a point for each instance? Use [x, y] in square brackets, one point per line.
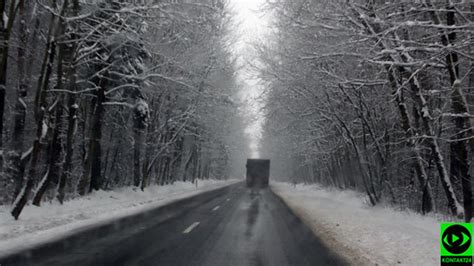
[252, 213]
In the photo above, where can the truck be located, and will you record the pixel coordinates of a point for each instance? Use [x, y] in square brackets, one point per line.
[258, 172]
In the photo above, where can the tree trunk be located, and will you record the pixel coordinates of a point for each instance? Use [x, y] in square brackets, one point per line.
[459, 167]
[140, 115]
[55, 151]
[92, 176]
[459, 148]
[5, 32]
[146, 161]
[137, 146]
[17, 144]
[70, 81]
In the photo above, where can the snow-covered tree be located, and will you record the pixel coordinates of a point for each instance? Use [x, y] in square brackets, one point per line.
[382, 87]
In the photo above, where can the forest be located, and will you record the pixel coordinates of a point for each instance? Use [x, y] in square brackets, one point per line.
[373, 95]
[96, 95]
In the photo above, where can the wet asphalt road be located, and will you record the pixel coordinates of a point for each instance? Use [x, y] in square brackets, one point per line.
[231, 226]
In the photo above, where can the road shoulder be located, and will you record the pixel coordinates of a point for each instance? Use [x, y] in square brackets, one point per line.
[363, 234]
[52, 222]
[350, 255]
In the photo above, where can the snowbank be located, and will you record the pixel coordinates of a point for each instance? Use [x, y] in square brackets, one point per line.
[52, 220]
[364, 234]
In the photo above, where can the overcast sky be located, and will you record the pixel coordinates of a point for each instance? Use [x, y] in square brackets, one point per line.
[251, 27]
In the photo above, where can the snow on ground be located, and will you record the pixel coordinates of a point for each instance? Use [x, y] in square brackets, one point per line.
[363, 234]
[53, 221]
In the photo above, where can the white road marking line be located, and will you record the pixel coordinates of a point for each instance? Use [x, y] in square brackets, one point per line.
[190, 228]
[216, 208]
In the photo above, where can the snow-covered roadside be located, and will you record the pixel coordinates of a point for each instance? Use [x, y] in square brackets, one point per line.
[363, 234]
[52, 220]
